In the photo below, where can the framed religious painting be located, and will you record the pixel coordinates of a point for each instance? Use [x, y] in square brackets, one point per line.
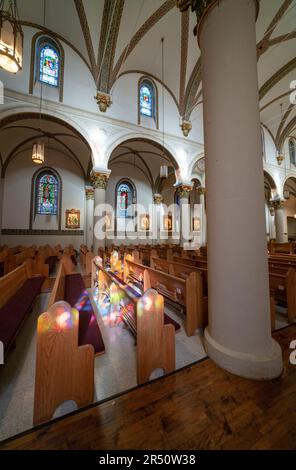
[73, 218]
[168, 223]
[144, 222]
[196, 224]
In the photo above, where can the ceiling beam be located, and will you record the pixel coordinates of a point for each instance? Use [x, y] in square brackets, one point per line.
[86, 34]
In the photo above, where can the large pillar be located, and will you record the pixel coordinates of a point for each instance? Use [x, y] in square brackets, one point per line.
[89, 224]
[238, 336]
[99, 181]
[185, 223]
[157, 199]
[280, 219]
[202, 192]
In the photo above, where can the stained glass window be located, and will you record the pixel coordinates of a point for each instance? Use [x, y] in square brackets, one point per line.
[146, 99]
[292, 152]
[124, 199]
[49, 65]
[47, 188]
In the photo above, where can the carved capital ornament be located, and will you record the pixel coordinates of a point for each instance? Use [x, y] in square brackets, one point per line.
[158, 198]
[89, 193]
[104, 101]
[184, 191]
[99, 180]
[186, 127]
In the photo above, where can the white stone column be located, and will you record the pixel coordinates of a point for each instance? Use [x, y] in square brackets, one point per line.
[238, 336]
[99, 181]
[280, 219]
[157, 199]
[185, 222]
[202, 192]
[89, 224]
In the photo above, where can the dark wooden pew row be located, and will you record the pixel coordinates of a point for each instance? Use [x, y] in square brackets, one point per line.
[283, 283]
[184, 270]
[144, 315]
[186, 293]
[18, 291]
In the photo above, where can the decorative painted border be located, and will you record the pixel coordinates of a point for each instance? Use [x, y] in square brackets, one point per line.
[16, 231]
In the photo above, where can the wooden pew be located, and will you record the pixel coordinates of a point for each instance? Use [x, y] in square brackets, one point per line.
[280, 247]
[18, 292]
[145, 317]
[187, 293]
[67, 280]
[64, 370]
[66, 267]
[283, 283]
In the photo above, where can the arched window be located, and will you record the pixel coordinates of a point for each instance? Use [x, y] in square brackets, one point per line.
[47, 193]
[124, 199]
[147, 101]
[292, 152]
[49, 64]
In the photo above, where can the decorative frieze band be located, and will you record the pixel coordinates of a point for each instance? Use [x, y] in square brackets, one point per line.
[16, 231]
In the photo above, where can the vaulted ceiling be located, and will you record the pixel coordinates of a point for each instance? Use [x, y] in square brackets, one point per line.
[116, 37]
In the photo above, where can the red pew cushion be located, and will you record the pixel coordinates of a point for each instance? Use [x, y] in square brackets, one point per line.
[13, 313]
[77, 296]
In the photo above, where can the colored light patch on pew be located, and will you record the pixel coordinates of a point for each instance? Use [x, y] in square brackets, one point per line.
[64, 321]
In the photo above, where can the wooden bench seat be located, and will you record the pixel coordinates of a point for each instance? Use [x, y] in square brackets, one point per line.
[144, 315]
[187, 293]
[283, 283]
[17, 296]
[69, 286]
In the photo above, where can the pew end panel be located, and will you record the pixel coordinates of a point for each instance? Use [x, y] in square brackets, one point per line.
[64, 370]
[155, 341]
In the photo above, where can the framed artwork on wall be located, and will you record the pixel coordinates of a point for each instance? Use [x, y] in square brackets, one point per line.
[73, 218]
[196, 224]
[144, 222]
[168, 222]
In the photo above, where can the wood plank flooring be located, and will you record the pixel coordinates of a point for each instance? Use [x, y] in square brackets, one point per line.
[200, 407]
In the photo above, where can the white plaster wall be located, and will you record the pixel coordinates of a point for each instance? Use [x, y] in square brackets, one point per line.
[17, 199]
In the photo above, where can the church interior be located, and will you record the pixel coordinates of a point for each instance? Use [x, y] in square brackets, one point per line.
[147, 224]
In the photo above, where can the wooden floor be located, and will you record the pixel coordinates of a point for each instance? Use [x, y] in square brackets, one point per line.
[200, 407]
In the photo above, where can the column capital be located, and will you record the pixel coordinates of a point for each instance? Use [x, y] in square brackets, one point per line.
[201, 190]
[186, 127]
[89, 193]
[157, 198]
[99, 179]
[184, 191]
[104, 100]
[201, 9]
[277, 204]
